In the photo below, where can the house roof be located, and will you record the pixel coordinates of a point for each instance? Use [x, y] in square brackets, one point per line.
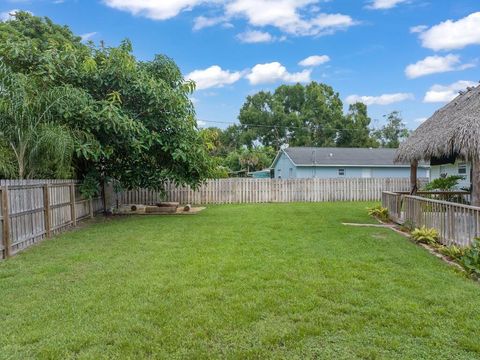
[333, 156]
[452, 130]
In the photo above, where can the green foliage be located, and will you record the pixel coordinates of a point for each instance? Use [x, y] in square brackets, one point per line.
[452, 251]
[111, 115]
[33, 144]
[355, 128]
[379, 212]
[444, 183]
[391, 134]
[303, 115]
[90, 186]
[425, 235]
[229, 155]
[470, 259]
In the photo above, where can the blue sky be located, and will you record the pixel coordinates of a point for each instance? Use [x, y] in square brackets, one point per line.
[406, 55]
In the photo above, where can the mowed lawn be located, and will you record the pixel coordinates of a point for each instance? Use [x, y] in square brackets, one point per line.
[241, 281]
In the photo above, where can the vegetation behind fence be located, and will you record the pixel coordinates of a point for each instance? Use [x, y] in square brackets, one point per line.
[239, 190]
[32, 210]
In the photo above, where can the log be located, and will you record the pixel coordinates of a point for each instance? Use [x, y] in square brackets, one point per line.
[161, 210]
[167, 204]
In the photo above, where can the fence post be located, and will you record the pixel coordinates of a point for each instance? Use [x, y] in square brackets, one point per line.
[6, 222]
[90, 205]
[46, 207]
[73, 211]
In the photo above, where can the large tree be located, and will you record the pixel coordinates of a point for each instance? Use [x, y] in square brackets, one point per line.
[393, 132]
[130, 120]
[304, 115]
[355, 128]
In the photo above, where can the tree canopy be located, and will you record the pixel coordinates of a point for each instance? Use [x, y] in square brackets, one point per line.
[393, 132]
[113, 115]
[304, 115]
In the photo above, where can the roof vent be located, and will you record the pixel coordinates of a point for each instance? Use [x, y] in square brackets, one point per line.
[331, 154]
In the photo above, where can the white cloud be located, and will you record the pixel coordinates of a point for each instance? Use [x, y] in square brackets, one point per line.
[9, 15]
[88, 36]
[450, 34]
[213, 76]
[157, 10]
[273, 72]
[201, 22]
[385, 99]
[201, 123]
[446, 93]
[255, 36]
[286, 15]
[418, 29]
[314, 60]
[384, 4]
[436, 64]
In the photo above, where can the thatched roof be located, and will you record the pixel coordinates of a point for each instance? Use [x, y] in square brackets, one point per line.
[452, 130]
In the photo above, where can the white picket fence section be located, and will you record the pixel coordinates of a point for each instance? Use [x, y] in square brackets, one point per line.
[241, 191]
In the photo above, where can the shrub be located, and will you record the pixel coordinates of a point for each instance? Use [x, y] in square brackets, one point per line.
[470, 259]
[425, 235]
[444, 183]
[379, 212]
[452, 251]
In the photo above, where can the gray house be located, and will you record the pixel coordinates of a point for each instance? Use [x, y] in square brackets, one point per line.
[310, 162]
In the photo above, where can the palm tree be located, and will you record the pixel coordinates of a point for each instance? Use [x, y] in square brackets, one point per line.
[32, 144]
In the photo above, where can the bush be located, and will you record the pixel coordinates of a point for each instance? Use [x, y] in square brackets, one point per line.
[445, 183]
[379, 212]
[425, 235]
[470, 259]
[453, 252]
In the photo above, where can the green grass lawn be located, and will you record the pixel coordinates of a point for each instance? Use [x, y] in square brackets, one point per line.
[246, 281]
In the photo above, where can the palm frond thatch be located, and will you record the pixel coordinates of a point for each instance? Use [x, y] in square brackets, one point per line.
[452, 130]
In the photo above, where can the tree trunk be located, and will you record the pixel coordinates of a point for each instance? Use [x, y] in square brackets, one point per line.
[475, 182]
[413, 177]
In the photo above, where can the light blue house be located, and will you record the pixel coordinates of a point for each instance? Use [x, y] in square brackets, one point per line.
[310, 162]
[452, 166]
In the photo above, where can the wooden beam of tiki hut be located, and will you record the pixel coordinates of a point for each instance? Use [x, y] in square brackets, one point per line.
[453, 132]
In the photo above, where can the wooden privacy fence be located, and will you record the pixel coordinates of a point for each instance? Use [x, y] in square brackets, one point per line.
[237, 190]
[457, 224]
[31, 211]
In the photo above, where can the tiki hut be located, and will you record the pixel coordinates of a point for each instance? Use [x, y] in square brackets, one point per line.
[453, 132]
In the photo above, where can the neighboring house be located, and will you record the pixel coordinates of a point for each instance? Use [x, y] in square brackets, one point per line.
[440, 168]
[310, 162]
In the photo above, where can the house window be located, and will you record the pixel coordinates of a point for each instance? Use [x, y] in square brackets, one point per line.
[443, 171]
[279, 173]
[341, 172]
[462, 169]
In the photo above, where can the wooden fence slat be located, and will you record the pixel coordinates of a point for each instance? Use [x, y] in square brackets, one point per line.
[247, 190]
[46, 208]
[6, 226]
[456, 223]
